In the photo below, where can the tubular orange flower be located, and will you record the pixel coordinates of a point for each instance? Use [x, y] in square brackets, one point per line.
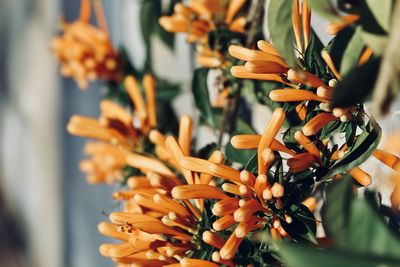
[361, 176]
[241, 72]
[230, 247]
[301, 162]
[296, 24]
[246, 54]
[387, 158]
[304, 77]
[271, 130]
[366, 54]
[314, 125]
[267, 48]
[307, 144]
[294, 95]
[325, 55]
[335, 27]
[196, 263]
[301, 110]
[251, 141]
[149, 85]
[306, 19]
[264, 67]
[197, 191]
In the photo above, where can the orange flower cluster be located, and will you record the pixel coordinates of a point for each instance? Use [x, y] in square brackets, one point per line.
[118, 128]
[158, 225]
[84, 51]
[255, 204]
[302, 88]
[198, 18]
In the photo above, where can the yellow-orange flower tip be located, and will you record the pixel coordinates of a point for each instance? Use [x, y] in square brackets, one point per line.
[216, 257]
[332, 82]
[245, 211]
[230, 248]
[156, 137]
[277, 190]
[267, 194]
[304, 77]
[324, 92]
[346, 118]
[310, 203]
[104, 249]
[213, 239]
[334, 27]
[224, 223]
[267, 48]
[338, 112]
[288, 219]
[361, 176]
[314, 125]
[247, 178]
[186, 262]
[198, 191]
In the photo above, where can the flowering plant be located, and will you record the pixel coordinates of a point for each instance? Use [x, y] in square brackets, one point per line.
[287, 196]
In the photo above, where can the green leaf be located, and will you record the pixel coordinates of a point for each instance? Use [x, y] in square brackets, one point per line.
[325, 9]
[167, 38]
[241, 156]
[167, 91]
[382, 11]
[251, 165]
[262, 90]
[369, 234]
[353, 52]
[366, 143]
[149, 10]
[338, 45]
[357, 85]
[206, 151]
[201, 96]
[355, 225]
[278, 23]
[337, 207]
[300, 256]
[376, 42]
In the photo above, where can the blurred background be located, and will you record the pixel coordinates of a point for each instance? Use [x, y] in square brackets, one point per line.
[48, 213]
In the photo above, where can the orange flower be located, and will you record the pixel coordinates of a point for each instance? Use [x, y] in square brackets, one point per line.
[84, 51]
[198, 18]
[161, 217]
[105, 165]
[116, 123]
[335, 27]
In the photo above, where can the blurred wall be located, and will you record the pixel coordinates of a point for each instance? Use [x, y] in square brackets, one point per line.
[29, 130]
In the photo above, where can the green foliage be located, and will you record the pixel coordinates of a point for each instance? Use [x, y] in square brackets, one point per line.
[360, 236]
[365, 144]
[150, 11]
[202, 98]
[352, 53]
[357, 85]
[325, 9]
[279, 25]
